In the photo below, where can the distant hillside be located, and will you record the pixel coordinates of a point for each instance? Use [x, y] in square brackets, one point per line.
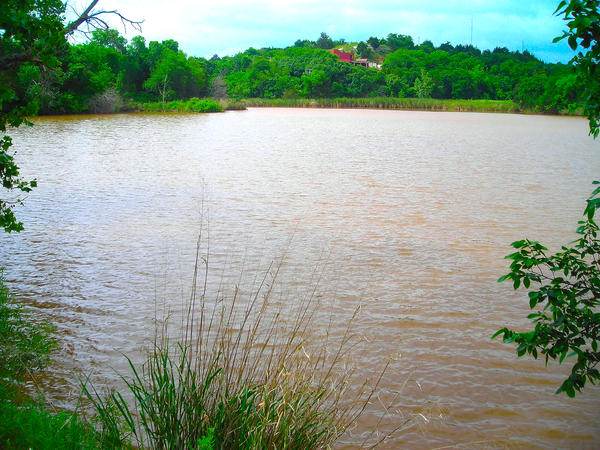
[104, 74]
[308, 70]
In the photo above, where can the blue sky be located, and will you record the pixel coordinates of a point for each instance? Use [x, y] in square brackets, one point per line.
[226, 27]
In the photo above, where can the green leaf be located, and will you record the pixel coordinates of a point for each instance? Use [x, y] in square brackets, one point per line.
[519, 244]
[504, 277]
[563, 355]
[572, 42]
[532, 302]
[499, 332]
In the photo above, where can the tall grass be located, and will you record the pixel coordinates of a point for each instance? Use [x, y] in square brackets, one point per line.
[252, 371]
[426, 104]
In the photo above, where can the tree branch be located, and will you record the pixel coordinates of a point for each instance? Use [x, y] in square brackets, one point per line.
[14, 59]
[94, 21]
[81, 19]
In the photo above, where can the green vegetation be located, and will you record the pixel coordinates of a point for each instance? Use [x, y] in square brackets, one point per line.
[427, 104]
[108, 72]
[191, 105]
[407, 70]
[568, 288]
[583, 33]
[254, 372]
[569, 281]
[24, 345]
[250, 372]
[24, 349]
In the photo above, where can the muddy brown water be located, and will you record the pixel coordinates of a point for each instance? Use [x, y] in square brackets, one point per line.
[408, 213]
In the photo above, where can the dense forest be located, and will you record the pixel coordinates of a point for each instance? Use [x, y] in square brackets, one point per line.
[108, 73]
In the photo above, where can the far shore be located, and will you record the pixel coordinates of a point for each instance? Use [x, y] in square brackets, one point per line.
[209, 105]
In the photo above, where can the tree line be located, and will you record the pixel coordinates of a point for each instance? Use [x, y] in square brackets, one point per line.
[408, 70]
[102, 74]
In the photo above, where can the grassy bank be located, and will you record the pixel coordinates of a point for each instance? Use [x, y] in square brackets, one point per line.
[422, 104]
[196, 105]
[25, 422]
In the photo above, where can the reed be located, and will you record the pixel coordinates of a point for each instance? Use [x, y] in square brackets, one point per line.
[252, 370]
[424, 104]
[232, 105]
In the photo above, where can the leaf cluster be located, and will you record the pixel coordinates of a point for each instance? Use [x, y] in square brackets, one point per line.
[565, 296]
[583, 33]
[31, 37]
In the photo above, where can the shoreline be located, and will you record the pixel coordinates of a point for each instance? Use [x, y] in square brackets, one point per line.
[194, 106]
[404, 104]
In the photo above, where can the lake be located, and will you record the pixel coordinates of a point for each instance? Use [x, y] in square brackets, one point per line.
[409, 214]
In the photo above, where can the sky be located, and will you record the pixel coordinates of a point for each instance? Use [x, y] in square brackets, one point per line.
[226, 27]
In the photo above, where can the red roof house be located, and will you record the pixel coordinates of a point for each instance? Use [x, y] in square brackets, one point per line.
[344, 57]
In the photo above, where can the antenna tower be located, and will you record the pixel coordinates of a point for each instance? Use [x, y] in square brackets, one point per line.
[471, 31]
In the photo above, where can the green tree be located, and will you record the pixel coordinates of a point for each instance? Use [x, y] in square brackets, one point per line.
[362, 49]
[176, 75]
[374, 42]
[568, 282]
[427, 46]
[316, 84]
[109, 38]
[423, 85]
[583, 33]
[136, 67]
[397, 41]
[324, 41]
[32, 36]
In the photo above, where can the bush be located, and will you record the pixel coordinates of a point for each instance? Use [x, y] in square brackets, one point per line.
[194, 104]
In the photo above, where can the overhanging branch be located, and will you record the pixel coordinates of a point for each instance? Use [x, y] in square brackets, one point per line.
[94, 20]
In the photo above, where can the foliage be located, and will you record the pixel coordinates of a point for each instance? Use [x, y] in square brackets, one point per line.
[24, 349]
[29, 425]
[569, 281]
[456, 72]
[324, 41]
[191, 105]
[30, 37]
[583, 23]
[24, 344]
[568, 288]
[423, 85]
[175, 76]
[243, 373]
[430, 104]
